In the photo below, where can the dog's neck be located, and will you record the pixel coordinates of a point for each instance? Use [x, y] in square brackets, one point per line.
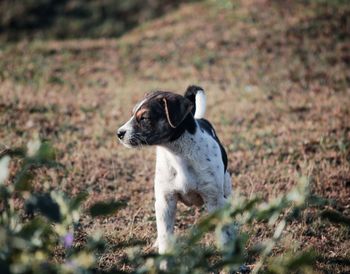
[183, 138]
[187, 125]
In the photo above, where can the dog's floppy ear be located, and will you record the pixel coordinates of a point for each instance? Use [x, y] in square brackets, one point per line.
[176, 108]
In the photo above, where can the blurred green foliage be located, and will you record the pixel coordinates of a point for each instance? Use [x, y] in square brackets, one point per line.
[62, 19]
[34, 225]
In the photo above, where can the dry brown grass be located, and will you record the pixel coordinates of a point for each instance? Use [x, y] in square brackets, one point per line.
[277, 81]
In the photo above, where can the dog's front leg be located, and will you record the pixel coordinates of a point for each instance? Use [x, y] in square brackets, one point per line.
[165, 206]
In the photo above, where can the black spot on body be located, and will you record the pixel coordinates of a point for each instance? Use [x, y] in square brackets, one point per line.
[205, 125]
[208, 160]
[172, 173]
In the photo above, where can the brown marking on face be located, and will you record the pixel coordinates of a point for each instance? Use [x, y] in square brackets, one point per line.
[140, 112]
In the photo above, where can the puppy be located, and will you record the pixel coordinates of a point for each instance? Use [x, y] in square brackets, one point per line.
[191, 165]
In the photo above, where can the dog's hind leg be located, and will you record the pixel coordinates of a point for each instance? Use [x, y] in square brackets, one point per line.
[227, 231]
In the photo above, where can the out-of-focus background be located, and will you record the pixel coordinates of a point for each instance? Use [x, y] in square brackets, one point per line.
[64, 19]
[277, 77]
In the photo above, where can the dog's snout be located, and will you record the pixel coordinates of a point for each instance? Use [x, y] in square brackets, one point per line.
[121, 133]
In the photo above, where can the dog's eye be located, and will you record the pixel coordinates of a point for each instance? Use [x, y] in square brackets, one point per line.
[144, 118]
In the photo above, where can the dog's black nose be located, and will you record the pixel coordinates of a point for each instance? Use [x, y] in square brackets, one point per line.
[121, 133]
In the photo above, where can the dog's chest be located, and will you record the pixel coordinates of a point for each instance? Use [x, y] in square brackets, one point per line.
[192, 165]
[184, 180]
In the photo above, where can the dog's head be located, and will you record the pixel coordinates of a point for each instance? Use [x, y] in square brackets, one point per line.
[155, 119]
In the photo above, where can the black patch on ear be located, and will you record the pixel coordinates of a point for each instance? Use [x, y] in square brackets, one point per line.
[180, 113]
[204, 124]
[176, 108]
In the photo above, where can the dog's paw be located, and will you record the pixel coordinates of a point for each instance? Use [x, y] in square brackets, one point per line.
[163, 265]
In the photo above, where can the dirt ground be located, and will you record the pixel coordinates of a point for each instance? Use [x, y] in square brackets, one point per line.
[277, 78]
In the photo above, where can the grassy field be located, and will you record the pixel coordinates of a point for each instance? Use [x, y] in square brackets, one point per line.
[277, 76]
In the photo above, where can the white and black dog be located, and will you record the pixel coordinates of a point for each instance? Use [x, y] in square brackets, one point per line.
[191, 163]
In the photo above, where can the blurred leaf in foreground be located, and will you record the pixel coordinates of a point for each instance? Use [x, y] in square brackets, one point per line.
[335, 217]
[45, 205]
[105, 208]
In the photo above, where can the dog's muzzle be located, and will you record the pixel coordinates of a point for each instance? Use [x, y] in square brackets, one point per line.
[124, 137]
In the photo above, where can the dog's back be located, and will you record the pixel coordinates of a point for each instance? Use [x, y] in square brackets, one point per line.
[196, 95]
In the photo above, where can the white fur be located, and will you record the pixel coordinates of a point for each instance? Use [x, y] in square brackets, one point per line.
[184, 173]
[201, 103]
[128, 132]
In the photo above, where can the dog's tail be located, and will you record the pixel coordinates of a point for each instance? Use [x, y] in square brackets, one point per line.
[197, 96]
